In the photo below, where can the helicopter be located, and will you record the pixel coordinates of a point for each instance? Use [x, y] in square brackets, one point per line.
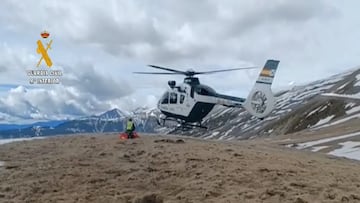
[188, 103]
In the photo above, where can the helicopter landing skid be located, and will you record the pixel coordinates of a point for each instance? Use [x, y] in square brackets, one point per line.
[161, 121]
[183, 125]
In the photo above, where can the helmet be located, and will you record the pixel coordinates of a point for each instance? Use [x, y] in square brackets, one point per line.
[130, 119]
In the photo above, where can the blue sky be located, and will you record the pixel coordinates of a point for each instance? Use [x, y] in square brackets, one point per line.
[98, 44]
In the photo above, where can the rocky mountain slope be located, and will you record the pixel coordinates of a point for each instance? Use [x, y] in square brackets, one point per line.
[299, 108]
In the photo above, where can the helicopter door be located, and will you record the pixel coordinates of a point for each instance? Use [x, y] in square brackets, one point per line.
[182, 108]
[173, 99]
[182, 98]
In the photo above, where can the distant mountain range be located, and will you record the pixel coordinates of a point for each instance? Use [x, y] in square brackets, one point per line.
[299, 108]
[110, 121]
[21, 126]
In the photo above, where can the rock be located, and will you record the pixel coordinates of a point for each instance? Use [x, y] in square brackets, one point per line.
[179, 141]
[356, 197]
[149, 198]
[301, 185]
[300, 200]
[330, 195]
[237, 155]
[345, 199]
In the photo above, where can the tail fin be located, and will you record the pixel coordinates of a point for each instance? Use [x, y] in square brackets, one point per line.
[261, 100]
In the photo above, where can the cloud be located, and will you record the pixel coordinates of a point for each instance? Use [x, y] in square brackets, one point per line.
[167, 32]
[63, 102]
[14, 58]
[99, 44]
[57, 103]
[84, 89]
[86, 79]
[3, 68]
[258, 13]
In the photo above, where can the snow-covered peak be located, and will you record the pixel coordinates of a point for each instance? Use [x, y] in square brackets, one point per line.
[114, 114]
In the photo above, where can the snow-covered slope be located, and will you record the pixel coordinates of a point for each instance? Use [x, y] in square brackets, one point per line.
[299, 108]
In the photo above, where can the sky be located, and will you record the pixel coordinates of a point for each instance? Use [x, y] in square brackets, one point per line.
[99, 44]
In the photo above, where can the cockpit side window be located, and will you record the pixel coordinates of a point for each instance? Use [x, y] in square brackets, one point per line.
[165, 98]
[182, 98]
[203, 91]
[173, 98]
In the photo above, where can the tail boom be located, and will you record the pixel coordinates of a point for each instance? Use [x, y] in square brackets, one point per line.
[261, 100]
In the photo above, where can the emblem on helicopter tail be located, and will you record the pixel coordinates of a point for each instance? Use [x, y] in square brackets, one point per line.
[267, 72]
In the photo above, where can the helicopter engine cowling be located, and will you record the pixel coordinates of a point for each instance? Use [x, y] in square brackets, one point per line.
[172, 83]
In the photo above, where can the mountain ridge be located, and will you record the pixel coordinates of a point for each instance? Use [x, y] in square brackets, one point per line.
[298, 108]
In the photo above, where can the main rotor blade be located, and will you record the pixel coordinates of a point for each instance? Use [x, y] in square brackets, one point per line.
[224, 70]
[157, 73]
[168, 69]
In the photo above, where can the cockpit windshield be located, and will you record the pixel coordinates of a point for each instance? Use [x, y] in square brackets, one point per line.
[165, 98]
[173, 98]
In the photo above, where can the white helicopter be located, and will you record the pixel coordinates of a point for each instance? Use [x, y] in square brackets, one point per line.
[189, 102]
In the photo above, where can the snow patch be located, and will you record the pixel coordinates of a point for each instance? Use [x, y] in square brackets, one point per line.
[213, 135]
[6, 141]
[339, 121]
[349, 150]
[324, 120]
[257, 128]
[316, 149]
[342, 86]
[349, 105]
[353, 110]
[358, 80]
[227, 133]
[313, 111]
[74, 130]
[322, 141]
[350, 96]
[271, 118]
[357, 84]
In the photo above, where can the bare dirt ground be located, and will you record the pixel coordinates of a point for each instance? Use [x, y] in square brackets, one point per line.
[101, 168]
